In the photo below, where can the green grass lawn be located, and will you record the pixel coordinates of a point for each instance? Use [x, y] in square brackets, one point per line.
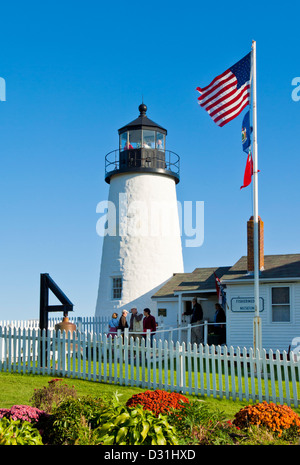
[204, 382]
[17, 388]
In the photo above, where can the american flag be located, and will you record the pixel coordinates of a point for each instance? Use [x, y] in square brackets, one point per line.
[229, 93]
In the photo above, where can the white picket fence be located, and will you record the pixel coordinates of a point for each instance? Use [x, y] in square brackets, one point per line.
[215, 371]
[91, 324]
[100, 325]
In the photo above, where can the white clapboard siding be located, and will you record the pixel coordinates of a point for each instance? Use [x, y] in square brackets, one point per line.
[238, 374]
[275, 335]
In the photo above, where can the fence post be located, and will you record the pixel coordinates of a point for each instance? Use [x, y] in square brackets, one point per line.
[148, 338]
[205, 332]
[179, 366]
[148, 358]
[79, 324]
[1, 349]
[171, 336]
[189, 329]
[126, 350]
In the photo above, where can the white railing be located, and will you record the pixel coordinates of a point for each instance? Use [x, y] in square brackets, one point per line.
[193, 369]
[100, 325]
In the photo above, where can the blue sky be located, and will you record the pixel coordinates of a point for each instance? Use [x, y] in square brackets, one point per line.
[75, 72]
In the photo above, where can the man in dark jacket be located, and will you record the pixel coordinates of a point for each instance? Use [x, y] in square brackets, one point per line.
[123, 321]
[220, 328]
[196, 322]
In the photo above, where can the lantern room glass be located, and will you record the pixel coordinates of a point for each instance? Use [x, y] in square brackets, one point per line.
[123, 141]
[142, 138]
[160, 141]
[148, 139]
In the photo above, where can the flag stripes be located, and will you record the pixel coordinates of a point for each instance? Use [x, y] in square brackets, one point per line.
[228, 94]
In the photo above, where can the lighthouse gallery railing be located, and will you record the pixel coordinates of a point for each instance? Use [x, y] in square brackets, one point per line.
[142, 158]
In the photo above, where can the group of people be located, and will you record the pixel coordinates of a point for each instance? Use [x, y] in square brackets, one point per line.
[138, 324]
[197, 333]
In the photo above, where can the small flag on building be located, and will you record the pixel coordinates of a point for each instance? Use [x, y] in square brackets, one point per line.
[229, 93]
[220, 292]
[246, 132]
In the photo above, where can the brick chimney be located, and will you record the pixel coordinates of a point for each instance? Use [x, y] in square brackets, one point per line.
[250, 244]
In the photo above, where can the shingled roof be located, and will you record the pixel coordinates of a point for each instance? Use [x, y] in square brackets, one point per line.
[275, 267]
[201, 279]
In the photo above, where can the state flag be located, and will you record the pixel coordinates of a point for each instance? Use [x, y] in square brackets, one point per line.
[248, 171]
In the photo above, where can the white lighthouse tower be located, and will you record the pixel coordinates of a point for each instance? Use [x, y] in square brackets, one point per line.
[142, 242]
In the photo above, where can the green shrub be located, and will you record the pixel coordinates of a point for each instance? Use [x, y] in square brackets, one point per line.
[134, 426]
[90, 421]
[49, 397]
[72, 417]
[18, 432]
[198, 424]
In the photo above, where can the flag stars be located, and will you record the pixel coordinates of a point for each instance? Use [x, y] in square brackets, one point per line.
[229, 93]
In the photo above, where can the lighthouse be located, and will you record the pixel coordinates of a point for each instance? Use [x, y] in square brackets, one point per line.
[142, 241]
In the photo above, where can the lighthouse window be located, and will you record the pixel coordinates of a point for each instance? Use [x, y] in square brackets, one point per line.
[116, 288]
[123, 140]
[148, 139]
[160, 141]
[135, 139]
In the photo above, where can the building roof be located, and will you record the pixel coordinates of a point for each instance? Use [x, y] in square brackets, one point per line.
[279, 267]
[275, 267]
[200, 280]
[141, 121]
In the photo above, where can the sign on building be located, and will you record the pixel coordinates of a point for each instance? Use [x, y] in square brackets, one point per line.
[245, 304]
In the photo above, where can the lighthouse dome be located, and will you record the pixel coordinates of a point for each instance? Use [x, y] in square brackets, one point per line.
[142, 148]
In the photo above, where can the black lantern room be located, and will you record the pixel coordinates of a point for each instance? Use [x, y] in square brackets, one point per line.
[142, 148]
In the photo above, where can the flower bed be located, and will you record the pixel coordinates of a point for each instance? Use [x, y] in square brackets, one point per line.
[22, 412]
[276, 418]
[158, 401]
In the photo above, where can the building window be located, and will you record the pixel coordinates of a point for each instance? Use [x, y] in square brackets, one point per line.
[116, 288]
[281, 304]
[162, 312]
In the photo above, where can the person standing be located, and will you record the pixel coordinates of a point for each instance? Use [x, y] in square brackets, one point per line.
[136, 323]
[220, 326]
[149, 323]
[197, 323]
[113, 325]
[123, 321]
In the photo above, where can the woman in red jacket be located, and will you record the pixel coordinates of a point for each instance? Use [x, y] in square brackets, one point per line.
[149, 323]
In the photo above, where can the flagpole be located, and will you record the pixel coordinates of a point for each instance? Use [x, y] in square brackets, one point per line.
[257, 320]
